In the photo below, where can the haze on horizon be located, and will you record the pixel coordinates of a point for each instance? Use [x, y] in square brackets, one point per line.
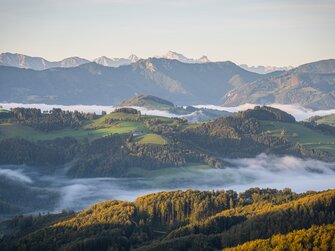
[257, 32]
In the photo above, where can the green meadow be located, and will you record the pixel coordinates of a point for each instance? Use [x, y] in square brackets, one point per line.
[329, 120]
[120, 124]
[297, 133]
[151, 138]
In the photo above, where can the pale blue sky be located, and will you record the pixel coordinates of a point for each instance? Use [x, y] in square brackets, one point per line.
[256, 32]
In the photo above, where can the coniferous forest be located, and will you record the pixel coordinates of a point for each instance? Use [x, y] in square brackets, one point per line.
[257, 219]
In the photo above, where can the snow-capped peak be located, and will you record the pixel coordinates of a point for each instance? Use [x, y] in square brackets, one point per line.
[115, 62]
[73, 62]
[265, 69]
[133, 58]
[174, 55]
[180, 57]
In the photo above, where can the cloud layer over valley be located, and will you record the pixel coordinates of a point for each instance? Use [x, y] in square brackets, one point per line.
[239, 174]
[300, 113]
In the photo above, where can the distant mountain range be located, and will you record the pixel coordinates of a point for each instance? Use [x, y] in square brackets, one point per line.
[223, 83]
[265, 69]
[38, 63]
[310, 85]
[180, 57]
[116, 62]
[92, 83]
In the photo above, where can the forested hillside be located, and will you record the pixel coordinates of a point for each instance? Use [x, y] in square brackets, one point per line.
[184, 220]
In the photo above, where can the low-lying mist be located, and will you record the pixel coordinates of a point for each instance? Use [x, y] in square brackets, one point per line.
[300, 113]
[239, 174]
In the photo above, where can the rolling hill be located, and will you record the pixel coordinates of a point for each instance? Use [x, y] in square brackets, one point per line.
[327, 120]
[149, 102]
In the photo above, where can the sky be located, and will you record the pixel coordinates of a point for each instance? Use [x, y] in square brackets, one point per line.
[253, 32]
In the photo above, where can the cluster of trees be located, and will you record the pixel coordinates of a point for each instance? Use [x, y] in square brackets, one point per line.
[115, 154]
[164, 155]
[178, 207]
[29, 223]
[165, 126]
[107, 156]
[109, 225]
[304, 212]
[123, 114]
[127, 110]
[248, 201]
[267, 113]
[231, 137]
[47, 121]
[190, 220]
[48, 152]
[261, 219]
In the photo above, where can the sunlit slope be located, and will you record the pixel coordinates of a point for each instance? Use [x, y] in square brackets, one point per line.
[297, 133]
[151, 138]
[114, 123]
[314, 238]
[188, 220]
[261, 219]
[328, 120]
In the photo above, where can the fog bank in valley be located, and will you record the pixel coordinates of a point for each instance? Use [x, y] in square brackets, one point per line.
[299, 112]
[239, 174]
